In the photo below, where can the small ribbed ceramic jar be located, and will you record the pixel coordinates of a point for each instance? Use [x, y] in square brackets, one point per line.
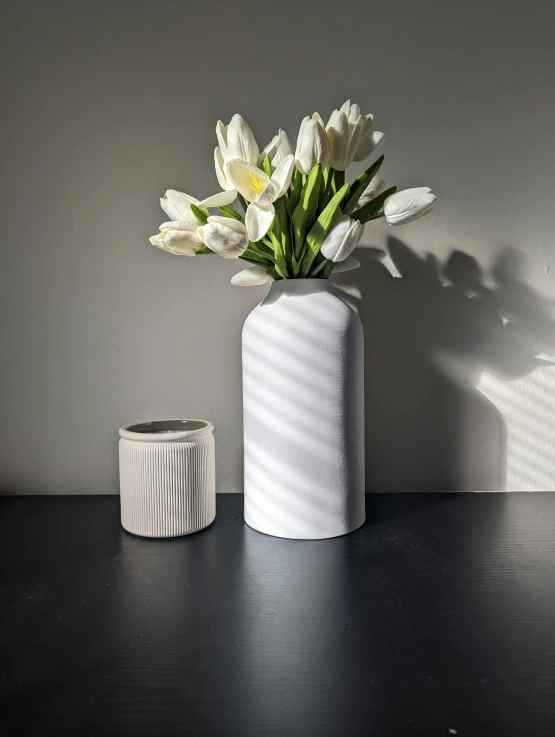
[167, 477]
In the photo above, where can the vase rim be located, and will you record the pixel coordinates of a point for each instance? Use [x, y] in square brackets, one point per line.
[167, 431]
[303, 285]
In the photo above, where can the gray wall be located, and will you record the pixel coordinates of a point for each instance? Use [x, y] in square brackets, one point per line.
[107, 104]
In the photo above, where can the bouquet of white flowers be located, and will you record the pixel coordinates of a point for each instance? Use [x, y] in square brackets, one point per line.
[300, 219]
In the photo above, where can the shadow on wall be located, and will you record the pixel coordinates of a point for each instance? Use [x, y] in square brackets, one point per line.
[428, 337]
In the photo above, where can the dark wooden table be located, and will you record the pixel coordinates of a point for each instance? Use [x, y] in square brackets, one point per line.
[436, 618]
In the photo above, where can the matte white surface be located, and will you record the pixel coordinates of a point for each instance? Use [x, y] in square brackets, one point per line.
[106, 105]
[303, 401]
[167, 483]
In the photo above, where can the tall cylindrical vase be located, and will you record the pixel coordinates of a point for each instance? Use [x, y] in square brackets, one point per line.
[303, 407]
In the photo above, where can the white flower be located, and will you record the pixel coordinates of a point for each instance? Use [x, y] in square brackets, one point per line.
[177, 205]
[344, 130]
[251, 277]
[350, 264]
[409, 204]
[376, 186]
[342, 239]
[178, 237]
[312, 145]
[369, 144]
[225, 236]
[258, 189]
[236, 141]
[283, 150]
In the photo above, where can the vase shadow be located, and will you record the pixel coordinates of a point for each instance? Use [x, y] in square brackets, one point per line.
[428, 337]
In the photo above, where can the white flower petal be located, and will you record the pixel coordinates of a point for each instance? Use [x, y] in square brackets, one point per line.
[342, 239]
[408, 205]
[284, 149]
[248, 180]
[241, 143]
[220, 199]
[251, 277]
[281, 178]
[337, 131]
[334, 240]
[182, 243]
[259, 219]
[223, 240]
[368, 145]
[312, 146]
[232, 223]
[221, 133]
[269, 150]
[177, 205]
[179, 225]
[349, 264]
[219, 164]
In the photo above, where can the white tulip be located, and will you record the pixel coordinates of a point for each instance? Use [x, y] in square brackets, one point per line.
[260, 191]
[376, 186]
[350, 264]
[269, 150]
[312, 145]
[283, 150]
[344, 129]
[251, 277]
[408, 205]
[177, 205]
[237, 141]
[225, 236]
[179, 237]
[342, 239]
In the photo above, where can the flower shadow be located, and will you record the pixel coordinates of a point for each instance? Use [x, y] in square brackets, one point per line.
[428, 337]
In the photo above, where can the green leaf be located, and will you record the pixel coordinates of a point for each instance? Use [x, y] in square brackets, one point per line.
[296, 189]
[279, 235]
[242, 200]
[337, 180]
[320, 229]
[200, 214]
[372, 210]
[205, 250]
[359, 185]
[305, 212]
[229, 212]
[267, 167]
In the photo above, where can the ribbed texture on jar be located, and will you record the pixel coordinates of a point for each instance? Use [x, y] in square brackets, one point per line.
[167, 488]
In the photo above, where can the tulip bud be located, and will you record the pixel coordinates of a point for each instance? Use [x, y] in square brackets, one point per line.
[312, 145]
[408, 205]
[344, 135]
[342, 239]
[225, 236]
[251, 277]
[283, 150]
[178, 237]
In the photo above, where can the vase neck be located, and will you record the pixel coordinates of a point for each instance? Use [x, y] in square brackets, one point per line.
[293, 287]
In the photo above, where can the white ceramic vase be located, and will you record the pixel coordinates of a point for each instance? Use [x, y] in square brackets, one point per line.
[303, 405]
[167, 477]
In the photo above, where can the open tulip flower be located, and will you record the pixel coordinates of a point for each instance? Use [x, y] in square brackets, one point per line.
[300, 218]
[261, 191]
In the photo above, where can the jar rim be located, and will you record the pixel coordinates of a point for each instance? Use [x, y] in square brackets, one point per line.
[167, 431]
